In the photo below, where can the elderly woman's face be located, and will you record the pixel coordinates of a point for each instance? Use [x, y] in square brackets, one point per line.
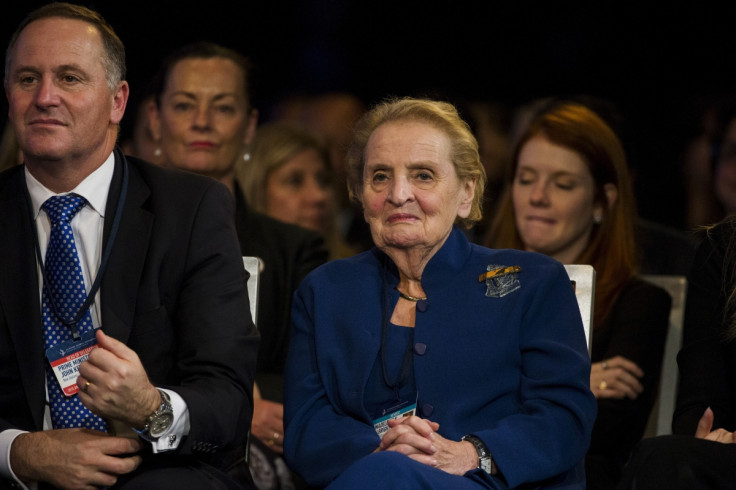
[411, 193]
[204, 118]
[553, 197]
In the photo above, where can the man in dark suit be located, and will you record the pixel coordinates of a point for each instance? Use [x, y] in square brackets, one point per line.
[175, 347]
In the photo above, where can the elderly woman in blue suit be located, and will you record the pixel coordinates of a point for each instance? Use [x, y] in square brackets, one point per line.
[431, 362]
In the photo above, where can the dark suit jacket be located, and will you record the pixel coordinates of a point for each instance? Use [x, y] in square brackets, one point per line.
[174, 291]
[289, 253]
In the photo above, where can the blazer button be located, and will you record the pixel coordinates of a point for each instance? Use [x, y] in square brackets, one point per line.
[420, 348]
[427, 410]
[422, 305]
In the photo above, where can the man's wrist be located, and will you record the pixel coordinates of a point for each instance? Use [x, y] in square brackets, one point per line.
[21, 457]
[160, 420]
[7, 439]
[153, 404]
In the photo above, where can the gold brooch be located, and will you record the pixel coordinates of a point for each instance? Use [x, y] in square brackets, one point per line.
[500, 271]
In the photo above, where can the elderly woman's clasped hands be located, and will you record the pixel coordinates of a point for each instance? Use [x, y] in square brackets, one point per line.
[418, 438]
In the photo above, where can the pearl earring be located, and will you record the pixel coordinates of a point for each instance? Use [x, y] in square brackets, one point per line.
[597, 219]
[246, 156]
[157, 152]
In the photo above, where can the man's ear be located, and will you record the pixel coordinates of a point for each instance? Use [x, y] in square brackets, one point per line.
[119, 101]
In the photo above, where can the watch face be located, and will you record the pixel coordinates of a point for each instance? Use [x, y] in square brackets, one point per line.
[486, 465]
[161, 424]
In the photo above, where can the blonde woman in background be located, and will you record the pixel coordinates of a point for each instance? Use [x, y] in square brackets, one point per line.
[287, 176]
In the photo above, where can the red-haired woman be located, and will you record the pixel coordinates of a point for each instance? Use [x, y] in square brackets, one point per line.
[569, 197]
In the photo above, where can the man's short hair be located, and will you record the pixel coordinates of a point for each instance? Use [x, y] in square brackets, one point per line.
[113, 60]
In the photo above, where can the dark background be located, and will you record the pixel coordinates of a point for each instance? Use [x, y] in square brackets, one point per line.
[659, 65]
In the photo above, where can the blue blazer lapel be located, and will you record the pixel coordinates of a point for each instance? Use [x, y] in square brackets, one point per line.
[19, 292]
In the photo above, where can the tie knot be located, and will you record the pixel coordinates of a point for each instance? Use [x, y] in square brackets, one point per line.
[63, 208]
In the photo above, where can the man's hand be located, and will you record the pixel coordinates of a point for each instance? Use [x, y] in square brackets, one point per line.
[114, 385]
[73, 458]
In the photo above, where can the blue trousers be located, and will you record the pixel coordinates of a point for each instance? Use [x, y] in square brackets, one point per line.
[389, 470]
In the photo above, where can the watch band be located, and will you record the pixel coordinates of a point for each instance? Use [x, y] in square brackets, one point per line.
[485, 461]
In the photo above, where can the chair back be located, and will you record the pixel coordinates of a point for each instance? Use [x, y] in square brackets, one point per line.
[660, 420]
[582, 277]
[253, 265]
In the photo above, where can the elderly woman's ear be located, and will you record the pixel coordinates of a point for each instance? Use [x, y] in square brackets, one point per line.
[467, 192]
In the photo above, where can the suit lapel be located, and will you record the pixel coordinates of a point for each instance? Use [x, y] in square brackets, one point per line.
[120, 282]
[19, 290]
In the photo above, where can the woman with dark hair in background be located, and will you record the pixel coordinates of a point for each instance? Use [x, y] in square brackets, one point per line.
[203, 119]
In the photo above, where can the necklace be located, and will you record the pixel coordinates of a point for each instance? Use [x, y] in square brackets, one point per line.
[411, 298]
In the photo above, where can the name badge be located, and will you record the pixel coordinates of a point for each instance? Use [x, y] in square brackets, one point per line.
[381, 424]
[65, 359]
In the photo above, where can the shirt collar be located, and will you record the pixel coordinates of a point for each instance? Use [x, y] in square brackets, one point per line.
[94, 188]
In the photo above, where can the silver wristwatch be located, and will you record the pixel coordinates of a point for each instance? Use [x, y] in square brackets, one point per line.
[161, 419]
[485, 461]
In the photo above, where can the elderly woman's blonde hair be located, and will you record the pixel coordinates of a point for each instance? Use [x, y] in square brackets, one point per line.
[440, 115]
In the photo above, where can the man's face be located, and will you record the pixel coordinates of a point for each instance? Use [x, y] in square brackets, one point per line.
[60, 104]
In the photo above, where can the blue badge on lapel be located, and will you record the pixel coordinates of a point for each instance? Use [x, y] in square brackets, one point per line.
[500, 280]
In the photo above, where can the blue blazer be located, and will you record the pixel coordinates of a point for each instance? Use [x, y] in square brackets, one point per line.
[513, 370]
